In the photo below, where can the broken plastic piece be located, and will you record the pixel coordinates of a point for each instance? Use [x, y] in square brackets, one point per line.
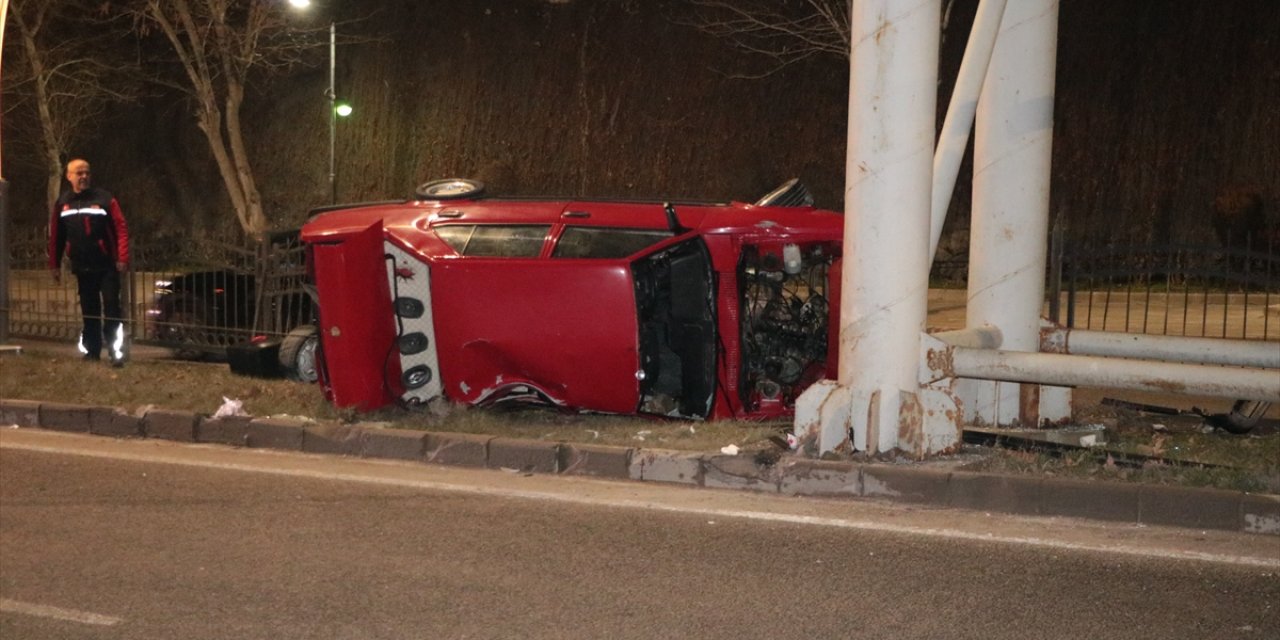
[230, 407]
[729, 450]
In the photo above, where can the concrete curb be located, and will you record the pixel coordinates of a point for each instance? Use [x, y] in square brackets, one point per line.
[1025, 495]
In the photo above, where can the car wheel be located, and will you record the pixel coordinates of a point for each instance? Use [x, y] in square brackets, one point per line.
[298, 354]
[449, 189]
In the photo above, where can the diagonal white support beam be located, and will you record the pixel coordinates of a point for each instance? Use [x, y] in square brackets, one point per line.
[954, 138]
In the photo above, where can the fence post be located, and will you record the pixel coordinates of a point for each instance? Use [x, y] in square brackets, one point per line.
[4, 260]
[263, 243]
[1055, 270]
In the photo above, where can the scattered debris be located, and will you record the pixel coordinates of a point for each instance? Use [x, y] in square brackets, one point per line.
[286, 416]
[230, 408]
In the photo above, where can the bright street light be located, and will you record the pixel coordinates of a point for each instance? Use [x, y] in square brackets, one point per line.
[300, 4]
[343, 109]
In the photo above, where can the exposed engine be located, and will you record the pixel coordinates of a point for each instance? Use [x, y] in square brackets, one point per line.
[784, 321]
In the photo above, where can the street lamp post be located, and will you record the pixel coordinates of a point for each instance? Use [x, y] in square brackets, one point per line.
[331, 96]
[333, 115]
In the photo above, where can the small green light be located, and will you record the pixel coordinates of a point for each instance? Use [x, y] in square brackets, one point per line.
[342, 109]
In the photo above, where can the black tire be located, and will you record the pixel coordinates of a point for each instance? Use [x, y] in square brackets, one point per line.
[1244, 416]
[298, 354]
[449, 189]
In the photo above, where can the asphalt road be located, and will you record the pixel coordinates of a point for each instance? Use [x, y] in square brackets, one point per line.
[103, 538]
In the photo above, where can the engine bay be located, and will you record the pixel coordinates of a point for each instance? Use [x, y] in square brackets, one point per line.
[785, 318]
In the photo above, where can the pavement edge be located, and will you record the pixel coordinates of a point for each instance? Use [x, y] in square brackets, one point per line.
[1185, 507]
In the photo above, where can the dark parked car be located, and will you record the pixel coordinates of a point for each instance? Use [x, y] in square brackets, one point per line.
[693, 310]
[203, 312]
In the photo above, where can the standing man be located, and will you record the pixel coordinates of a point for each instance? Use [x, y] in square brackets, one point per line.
[87, 223]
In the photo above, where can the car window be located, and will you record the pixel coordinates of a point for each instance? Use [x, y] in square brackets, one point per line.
[493, 240]
[600, 242]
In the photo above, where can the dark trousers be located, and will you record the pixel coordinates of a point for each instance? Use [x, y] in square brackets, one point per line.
[99, 297]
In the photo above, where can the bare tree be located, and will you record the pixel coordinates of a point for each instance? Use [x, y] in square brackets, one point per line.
[783, 32]
[219, 45]
[65, 72]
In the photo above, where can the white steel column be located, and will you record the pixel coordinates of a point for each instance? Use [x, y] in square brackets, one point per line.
[1010, 219]
[888, 176]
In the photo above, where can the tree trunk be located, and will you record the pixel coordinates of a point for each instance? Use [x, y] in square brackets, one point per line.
[227, 147]
[209, 119]
[48, 131]
[253, 218]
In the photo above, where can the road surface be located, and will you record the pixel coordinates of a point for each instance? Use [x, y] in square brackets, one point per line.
[103, 538]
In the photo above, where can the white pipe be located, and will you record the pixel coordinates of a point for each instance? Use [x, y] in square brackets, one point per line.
[954, 138]
[1013, 145]
[888, 176]
[1243, 353]
[1121, 373]
[893, 72]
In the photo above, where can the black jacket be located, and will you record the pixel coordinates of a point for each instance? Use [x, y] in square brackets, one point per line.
[90, 227]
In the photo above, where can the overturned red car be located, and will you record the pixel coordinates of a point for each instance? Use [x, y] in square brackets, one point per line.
[688, 310]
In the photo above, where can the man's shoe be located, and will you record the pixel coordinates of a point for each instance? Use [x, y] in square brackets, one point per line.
[91, 357]
[117, 362]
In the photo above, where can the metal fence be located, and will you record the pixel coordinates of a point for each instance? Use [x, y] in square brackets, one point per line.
[201, 296]
[193, 296]
[1181, 290]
